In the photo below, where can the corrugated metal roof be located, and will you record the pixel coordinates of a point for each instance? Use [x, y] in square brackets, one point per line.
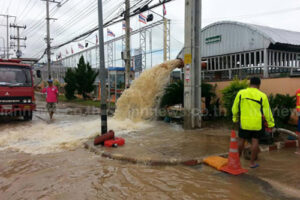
[280, 35]
[242, 37]
[275, 35]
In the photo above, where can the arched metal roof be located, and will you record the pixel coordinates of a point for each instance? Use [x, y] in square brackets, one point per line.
[226, 37]
[274, 35]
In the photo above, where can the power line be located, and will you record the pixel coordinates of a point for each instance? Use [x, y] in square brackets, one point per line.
[21, 13]
[66, 26]
[114, 20]
[40, 22]
[111, 22]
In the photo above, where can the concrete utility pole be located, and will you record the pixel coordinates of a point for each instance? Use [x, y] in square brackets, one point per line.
[102, 70]
[7, 33]
[192, 61]
[18, 38]
[48, 38]
[127, 43]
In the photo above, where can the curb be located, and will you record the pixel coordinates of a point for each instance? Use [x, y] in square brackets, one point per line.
[280, 145]
[148, 161]
[173, 161]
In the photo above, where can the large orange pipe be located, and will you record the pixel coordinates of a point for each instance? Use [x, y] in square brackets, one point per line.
[100, 139]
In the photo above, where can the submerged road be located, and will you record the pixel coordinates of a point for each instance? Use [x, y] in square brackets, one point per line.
[46, 160]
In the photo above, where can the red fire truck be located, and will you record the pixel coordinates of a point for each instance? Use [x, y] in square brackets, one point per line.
[16, 89]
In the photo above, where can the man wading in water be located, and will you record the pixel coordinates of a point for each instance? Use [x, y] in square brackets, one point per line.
[250, 105]
[51, 97]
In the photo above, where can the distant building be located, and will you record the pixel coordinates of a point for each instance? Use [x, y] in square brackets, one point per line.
[234, 48]
[57, 71]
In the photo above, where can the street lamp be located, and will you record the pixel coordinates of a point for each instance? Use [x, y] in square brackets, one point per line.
[87, 43]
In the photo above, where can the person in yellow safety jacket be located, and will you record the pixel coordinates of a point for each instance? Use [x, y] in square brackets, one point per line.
[249, 108]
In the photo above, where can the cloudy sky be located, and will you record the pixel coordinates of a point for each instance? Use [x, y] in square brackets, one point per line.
[77, 16]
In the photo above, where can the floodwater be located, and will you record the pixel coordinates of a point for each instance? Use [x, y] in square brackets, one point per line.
[47, 161]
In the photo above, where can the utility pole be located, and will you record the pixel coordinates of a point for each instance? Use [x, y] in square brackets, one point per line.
[102, 70]
[192, 61]
[18, 38]
[127, 43]
[166, 39]
[165, 34]
[7, 33]
[48, 38]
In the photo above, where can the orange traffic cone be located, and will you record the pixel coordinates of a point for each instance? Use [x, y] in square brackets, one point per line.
[234, 165]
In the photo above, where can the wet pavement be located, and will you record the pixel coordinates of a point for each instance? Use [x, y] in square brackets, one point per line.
[164, 143]
[80, 174]
[281, 169]
[46, 159]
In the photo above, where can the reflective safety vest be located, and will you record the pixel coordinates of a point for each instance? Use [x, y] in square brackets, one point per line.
[298, 100]
[249, 107]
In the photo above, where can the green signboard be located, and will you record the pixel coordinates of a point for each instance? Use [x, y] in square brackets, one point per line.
[213, 39]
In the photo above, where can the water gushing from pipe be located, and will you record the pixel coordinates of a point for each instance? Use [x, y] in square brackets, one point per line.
[138, 103]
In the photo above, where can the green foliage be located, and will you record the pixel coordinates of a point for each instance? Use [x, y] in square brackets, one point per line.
[81, 79]
[282, 106]
[208, 90]
[85, 78]
[230, 92]
[173, 94]
[70, 87]
[56, 83]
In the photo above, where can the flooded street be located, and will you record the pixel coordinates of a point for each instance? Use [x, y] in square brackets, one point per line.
[143, 100]
[48, 161]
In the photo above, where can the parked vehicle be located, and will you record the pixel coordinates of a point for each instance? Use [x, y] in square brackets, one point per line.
[16, 89]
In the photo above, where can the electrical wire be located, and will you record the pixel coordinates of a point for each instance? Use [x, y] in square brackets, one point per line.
[112, 18]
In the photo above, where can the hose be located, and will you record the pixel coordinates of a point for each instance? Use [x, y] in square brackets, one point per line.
[285, 131]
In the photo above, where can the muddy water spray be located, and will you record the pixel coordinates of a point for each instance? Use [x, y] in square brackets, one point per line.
[66, 133]
[138, 102]
[69, 132]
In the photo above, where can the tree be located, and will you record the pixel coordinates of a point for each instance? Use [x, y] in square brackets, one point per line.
[230, 92]
[282, 106]
[174, 93]
[208, 92]
[70, 86]
[81, 79]
[85, 78]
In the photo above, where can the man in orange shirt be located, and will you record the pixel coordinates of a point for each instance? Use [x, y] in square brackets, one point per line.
[298, 112]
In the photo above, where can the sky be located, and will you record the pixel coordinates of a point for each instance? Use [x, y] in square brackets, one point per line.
[77, 16]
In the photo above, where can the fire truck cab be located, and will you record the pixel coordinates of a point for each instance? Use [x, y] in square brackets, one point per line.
[16, 89]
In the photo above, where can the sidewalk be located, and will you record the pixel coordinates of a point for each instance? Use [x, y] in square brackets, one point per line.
[169, 144]
[166, 145]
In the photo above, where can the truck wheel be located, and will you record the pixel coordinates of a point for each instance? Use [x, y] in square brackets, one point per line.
[28, 116]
